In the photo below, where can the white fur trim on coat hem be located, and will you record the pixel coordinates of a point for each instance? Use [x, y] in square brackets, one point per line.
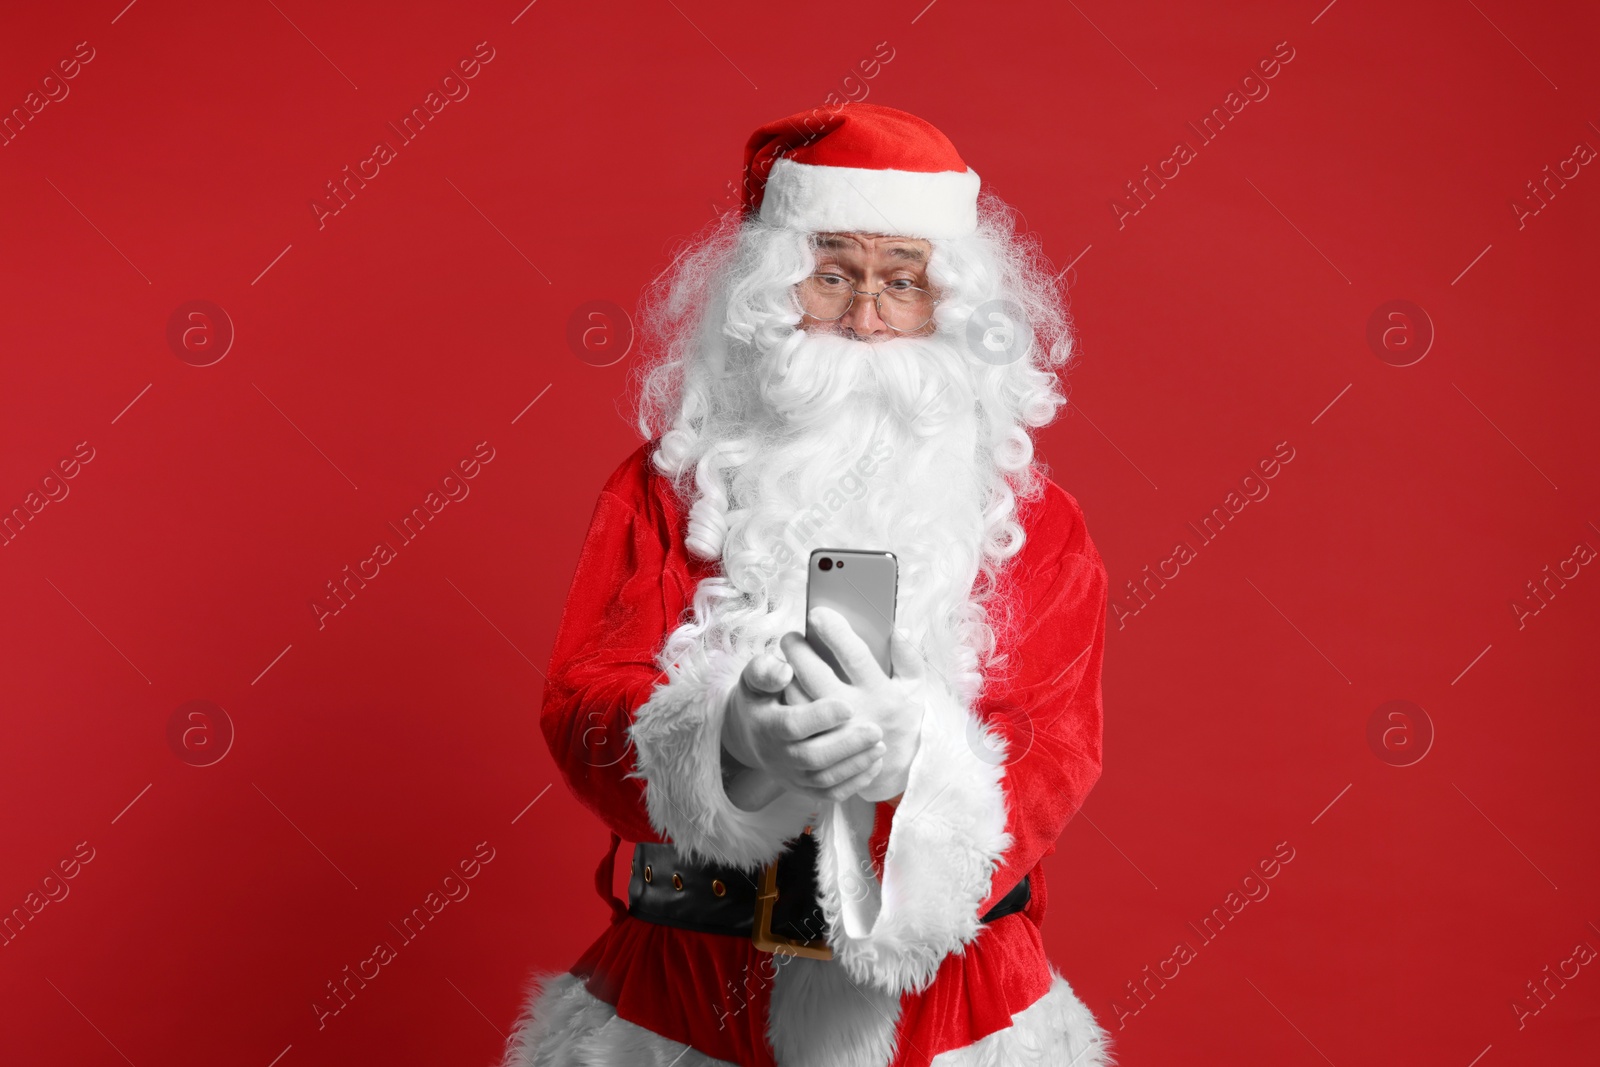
[946, 841]
[818, 1016]
[564, 1025]
[677, 738]
[1057, 1029]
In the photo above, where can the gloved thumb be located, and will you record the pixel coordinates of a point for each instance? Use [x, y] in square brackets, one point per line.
[767, 673]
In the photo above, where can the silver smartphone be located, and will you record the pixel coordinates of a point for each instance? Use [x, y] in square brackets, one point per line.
[861, 586]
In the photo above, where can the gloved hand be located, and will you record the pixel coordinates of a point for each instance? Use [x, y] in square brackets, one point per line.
[820, 749]
[870, 697]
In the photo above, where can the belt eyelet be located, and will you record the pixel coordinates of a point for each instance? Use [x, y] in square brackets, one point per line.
[648, 876]
[718, 888]
[677, 881]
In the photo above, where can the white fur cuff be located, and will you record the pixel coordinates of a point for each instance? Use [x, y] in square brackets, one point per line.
[677, 737]
[948, 837]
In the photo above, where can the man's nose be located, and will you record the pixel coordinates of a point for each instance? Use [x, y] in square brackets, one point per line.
[863, 319]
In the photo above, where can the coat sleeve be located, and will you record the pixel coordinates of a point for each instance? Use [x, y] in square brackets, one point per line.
[992, 786]
[639, 746]
[602, 668]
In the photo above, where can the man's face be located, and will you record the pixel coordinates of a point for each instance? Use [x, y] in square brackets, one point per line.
[869, 263]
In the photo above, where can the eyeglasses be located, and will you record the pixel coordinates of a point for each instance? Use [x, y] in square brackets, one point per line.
[903, 307]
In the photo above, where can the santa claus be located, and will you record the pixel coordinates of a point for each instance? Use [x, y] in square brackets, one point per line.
[857, 360]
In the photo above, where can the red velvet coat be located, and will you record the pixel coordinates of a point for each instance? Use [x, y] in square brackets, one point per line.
[994, 811]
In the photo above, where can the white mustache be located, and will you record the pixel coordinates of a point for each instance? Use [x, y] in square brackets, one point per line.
[810, 376]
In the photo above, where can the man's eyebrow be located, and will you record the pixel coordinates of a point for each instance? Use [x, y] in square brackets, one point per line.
[835, 243]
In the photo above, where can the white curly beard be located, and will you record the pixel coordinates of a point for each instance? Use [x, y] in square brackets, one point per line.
[849, 444]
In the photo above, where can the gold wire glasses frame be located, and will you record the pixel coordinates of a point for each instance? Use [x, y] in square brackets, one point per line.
[904, 301]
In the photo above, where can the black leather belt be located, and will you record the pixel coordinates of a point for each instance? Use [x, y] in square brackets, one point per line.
[714, 899]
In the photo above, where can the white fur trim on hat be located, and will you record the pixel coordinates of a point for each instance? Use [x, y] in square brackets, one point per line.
[906, 203]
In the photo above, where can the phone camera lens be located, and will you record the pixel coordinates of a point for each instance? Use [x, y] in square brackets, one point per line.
[824, 564]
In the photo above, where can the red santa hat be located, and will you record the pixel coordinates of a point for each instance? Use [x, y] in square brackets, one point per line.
[863, 168]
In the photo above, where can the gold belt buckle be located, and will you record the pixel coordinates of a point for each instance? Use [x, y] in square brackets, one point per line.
[761, 933]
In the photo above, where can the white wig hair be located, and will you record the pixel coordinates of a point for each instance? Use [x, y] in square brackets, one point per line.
[717, 384]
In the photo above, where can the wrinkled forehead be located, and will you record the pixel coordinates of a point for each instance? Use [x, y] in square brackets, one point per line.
[853, 245]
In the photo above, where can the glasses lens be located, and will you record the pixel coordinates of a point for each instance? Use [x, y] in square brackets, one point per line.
[825, 296]
[906, 309]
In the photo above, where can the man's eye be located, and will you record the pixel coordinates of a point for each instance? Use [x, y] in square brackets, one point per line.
[830, 281]
[902, 283]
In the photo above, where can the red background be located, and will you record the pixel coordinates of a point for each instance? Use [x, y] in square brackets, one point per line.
[1228, 315]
